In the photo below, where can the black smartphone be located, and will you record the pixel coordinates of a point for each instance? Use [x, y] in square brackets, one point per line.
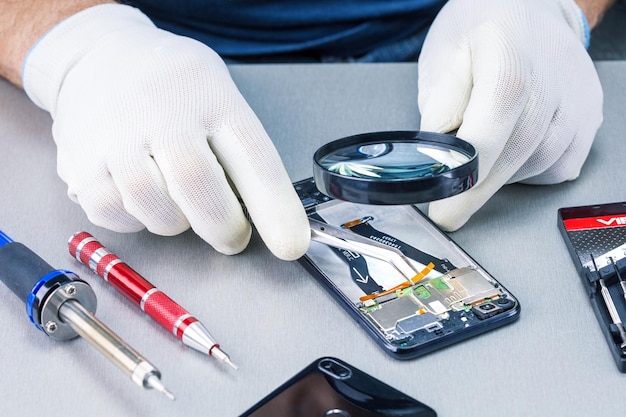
[596, 238]
[454, 298]
[329, 387]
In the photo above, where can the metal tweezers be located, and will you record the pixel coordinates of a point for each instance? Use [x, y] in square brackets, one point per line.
[343, 239]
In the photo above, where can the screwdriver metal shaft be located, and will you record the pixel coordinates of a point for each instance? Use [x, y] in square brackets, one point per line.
[610, 306]
[622, 282]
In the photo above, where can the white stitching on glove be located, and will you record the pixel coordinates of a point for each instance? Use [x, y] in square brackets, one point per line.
[152, 132]
[515, 79]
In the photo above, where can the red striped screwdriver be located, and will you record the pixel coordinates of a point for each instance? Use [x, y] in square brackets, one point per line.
[154, 302]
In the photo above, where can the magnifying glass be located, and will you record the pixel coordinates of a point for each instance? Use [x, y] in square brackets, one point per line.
[395, 167]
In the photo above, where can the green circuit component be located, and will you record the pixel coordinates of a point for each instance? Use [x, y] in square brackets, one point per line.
[422, 292]
[439, 284]
[403, 292]
[370, 309]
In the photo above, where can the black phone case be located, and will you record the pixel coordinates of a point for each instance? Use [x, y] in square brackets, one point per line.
[429, 331]
[599, 231]
[333, 388]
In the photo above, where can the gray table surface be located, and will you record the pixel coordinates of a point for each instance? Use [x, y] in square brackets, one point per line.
[270, 315]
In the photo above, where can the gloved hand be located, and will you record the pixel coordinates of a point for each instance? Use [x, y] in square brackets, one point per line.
[515, 79]
[152, 132]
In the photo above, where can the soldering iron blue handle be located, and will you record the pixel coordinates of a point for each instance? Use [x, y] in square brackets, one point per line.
[29, 276]
[4, 239]
[20, 268]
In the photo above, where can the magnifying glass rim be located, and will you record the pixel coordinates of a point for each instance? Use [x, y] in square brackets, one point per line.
[397, 191]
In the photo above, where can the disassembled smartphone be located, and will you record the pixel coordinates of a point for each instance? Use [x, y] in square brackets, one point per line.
[329, 387]
[596, 238]
[450, 299]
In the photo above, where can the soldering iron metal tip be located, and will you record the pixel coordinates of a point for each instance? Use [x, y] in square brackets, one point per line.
[228, 361]
[155, 383]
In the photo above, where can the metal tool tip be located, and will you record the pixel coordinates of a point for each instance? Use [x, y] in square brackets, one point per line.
[168, 394]
[155, 383]
[228, 361]
[219, 354]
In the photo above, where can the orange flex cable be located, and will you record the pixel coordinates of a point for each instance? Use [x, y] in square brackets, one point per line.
[417, 278]
[352, 223]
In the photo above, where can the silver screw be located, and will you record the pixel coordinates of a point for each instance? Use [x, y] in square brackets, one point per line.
[51, 327]
[70, 290]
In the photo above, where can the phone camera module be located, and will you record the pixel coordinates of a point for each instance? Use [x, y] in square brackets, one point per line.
[334, 369]
[491, 308]
[487, 307]
[504, 302]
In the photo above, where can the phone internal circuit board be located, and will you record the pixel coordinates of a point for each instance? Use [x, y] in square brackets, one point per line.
[435, 306]
[450, 294]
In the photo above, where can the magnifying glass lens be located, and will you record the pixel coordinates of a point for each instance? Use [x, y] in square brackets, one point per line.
[392, 160]
[403, 167]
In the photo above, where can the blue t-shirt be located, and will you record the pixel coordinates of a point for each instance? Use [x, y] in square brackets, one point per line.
[257, 28]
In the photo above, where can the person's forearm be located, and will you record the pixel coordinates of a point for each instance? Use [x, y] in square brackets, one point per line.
[594, 10]
[23, 22]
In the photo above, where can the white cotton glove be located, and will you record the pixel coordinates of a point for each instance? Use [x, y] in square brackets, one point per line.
[152, 132]
[515, 79]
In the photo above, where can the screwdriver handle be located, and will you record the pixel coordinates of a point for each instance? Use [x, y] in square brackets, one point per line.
[154, 302]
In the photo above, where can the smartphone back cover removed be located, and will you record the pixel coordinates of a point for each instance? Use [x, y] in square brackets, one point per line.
[451, 299]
